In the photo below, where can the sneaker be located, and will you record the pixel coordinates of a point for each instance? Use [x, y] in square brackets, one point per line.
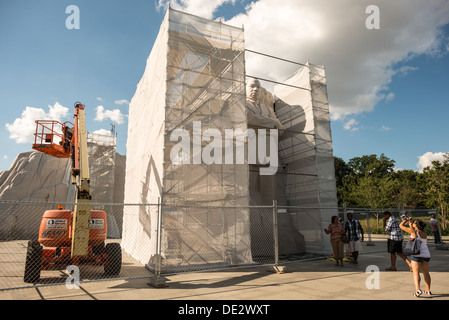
[418, 293]
[428, 293]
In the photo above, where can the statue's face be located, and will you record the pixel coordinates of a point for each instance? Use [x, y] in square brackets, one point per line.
[253, 90]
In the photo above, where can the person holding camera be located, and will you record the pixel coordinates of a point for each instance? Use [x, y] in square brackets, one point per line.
[420, 261]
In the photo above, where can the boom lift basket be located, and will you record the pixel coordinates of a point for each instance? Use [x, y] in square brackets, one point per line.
[53, 138]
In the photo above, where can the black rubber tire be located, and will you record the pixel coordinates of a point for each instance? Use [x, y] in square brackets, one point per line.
[114, 265]
[100, 249]
[33, 262]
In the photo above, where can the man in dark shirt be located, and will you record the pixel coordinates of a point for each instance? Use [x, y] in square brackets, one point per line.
[354, 232]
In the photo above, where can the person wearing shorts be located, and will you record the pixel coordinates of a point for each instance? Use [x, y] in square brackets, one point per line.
[354, 230]
[421, 260]
[395, 238]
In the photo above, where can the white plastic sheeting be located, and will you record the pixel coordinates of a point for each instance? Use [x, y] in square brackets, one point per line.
[38, 177]
[306, 154]
[101, 151]
[102, 166]
[195, 73]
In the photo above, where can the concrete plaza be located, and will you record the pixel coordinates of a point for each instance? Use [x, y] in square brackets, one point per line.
[315, 279]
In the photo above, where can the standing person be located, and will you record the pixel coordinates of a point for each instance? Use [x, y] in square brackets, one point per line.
[420, 261]
[346, 252]
[336, 230]
[355, 235]
[391, 225]
[435, 229]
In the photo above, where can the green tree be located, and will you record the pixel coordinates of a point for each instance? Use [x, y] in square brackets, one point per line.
[409, 194]
[371, 165]
[436, 179]
[375, 192]
[365, 181]
[342, 170]
[342, 173]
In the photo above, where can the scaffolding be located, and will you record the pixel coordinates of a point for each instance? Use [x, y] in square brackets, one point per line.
[194, 82]
[195, 74]
[305, 177]
[306, 153]
[101, 150]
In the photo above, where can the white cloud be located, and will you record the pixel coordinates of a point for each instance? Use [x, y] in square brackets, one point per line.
[113, 115]
[120, 102]
[403, 71]
[426, 159]
[202, 8]
[389, 97]
[385, 128]
[5, 157]
[100, 99]
[103, 132]
[359, 62]
[351, 125]
[22, 129]
[336, 116]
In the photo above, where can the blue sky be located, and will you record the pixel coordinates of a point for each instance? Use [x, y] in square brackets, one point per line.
[388, 88]
[414, 123]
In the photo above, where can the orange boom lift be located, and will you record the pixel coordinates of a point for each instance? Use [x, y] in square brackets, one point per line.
[65, 237]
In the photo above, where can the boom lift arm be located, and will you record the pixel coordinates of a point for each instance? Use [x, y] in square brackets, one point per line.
[72, 144]
[80, 177]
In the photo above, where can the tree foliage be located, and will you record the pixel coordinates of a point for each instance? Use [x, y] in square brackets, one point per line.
[371, 181]
[436, 187]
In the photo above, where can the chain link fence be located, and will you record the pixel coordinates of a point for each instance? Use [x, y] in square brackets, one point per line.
[35, 240]
[371, 219]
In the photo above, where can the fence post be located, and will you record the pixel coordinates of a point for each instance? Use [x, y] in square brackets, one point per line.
[159, 236]
[370, 242]
[275, 233]
[157, 280]
[276, 268]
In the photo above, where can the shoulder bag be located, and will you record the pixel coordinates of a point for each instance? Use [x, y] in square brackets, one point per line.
[412, 247]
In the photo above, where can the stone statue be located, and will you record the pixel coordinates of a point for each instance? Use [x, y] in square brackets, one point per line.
[260, 113]
[260, 106]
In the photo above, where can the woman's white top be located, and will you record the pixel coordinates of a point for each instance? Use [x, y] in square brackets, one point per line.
[424, 250]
